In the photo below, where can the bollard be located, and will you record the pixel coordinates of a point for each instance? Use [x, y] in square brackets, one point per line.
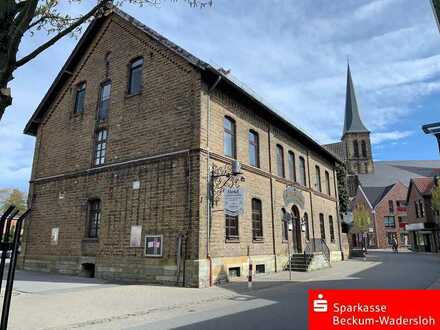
[250, 275]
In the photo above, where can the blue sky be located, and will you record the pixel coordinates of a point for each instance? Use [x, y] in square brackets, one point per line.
[293, 54]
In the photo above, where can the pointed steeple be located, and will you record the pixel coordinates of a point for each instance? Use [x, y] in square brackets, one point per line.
[352, 122]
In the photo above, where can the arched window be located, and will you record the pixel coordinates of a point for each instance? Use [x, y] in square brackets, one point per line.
[280, 161]
[254, 149]
[364, 149]
[229, 137]
[302, 171]
[307, 226]
[318, 186]
[135, 76]
[327, 183]
[94, 218]
[355, 148]
[285, 225]
[332, 229]
[322, 225]
[292, 169]
[257, 219]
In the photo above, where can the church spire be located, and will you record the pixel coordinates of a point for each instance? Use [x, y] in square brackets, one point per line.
[352, 122]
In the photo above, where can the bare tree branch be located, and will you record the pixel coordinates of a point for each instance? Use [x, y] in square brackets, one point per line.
[60, 35]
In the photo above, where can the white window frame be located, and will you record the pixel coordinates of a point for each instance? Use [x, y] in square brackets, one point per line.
[161, 246]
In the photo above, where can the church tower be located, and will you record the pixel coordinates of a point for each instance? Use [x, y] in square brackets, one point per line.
[355, 136]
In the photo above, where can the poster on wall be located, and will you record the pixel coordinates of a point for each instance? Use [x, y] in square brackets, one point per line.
[234, 201]
[136, 236]
[54, 236]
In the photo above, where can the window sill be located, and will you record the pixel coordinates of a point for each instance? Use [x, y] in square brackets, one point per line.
[129, 96]
[232, 240]
[285, 241]
[90, 240]
[153, 256]
[258, 240]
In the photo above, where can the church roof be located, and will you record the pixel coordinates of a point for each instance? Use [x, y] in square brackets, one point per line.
[389, 172]
[352, 122]
[338, 149]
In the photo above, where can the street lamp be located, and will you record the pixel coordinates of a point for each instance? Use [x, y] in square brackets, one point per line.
[433, 129]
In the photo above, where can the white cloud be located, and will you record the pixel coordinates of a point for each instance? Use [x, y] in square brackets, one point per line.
[381, 137]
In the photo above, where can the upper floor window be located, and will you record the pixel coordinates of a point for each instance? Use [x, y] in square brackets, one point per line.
[302, 171]
[80, 98]
[231, 226]
[416, 205]
[280, 161]
[318, 179]
[389, 222]
[100, 146]
[327, 183]
[135, 76]
[391, 206]
[104, 101]
[254, 151]
[257, 219]
[229, 137]
[421, 209]
[364, 149]
[322, 225]
[355, 148]
[332, 229]
[307, 226]
[292, 169]
[94, 218]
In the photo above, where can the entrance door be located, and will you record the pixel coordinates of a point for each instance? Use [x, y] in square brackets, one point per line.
[297, 246]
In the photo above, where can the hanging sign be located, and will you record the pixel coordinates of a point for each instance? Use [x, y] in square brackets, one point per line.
[293, 195]
[234, 201]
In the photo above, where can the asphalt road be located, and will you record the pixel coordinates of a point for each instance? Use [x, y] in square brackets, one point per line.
[283, 305]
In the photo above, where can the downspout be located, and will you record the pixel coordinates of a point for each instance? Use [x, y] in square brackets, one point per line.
[208, 179]
[335, 178]
[271, 198]
[311, 202]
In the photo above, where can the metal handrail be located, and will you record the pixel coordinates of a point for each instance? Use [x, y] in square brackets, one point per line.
[317, 245]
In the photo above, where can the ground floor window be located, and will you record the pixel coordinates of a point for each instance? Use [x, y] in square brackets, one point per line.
[94, 218]
[231, 227]
[153, 246]
[322, 225]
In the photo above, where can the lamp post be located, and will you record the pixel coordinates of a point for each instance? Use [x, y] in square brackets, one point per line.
[433, 129]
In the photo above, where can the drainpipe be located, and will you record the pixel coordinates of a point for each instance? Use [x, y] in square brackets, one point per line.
[208, 179]
[311, 199]
[271, 198]
[338, 213]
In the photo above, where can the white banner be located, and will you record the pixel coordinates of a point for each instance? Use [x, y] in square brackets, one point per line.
[234, 201]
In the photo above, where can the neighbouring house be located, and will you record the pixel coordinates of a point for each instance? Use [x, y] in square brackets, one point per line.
[126, 140]
[386, 207]
[423, 221]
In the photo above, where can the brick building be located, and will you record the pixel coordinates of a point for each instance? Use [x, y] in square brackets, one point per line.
[387, 209]
[126, 138]
[423, 222]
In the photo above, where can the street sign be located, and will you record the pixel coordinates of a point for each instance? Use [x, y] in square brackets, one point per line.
[293, 195]
[234, 201]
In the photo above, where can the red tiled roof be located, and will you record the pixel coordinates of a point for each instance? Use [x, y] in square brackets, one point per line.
[424, 185]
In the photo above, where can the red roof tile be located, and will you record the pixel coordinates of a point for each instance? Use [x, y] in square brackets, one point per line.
[424, 185]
